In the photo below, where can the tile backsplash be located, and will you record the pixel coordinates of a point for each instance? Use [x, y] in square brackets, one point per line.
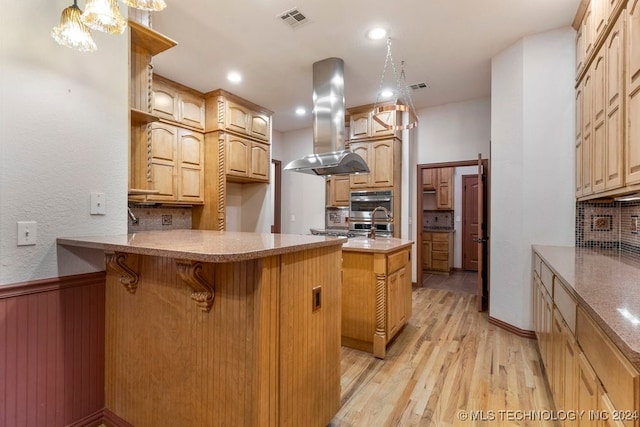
[159, 218]
[613, 225]
[437, 219]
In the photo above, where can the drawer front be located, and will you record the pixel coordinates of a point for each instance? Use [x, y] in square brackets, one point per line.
[397, 260]
[546, 277]
[565, 303]
[441, 237]
[440, 256]
[440, 265]
[441, 246]
[427, 236]
[620, 379]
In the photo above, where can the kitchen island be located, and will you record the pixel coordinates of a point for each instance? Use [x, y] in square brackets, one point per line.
[376, 294]
[220, 328]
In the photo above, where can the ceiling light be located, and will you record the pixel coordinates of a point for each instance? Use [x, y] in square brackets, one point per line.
[386, 93]
[377, 33]
[153, 5]
[71, 32]
[300, 111]
[103, 15]
[234, 77]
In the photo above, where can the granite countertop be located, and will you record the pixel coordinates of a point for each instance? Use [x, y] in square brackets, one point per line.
[379, 244]
[203, 245]
[606, 283]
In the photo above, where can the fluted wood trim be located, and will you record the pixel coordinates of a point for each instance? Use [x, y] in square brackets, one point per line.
[513, 329]
[127, 265]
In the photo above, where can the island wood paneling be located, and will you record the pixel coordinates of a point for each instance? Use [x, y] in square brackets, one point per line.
[260, 356]
[52, 352]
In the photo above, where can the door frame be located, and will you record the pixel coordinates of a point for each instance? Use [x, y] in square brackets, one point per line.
[486, 198]
[277, 196]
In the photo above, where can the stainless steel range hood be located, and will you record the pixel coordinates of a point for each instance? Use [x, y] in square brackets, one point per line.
[329, 155]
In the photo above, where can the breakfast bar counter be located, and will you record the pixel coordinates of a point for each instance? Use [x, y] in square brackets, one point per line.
[220, 328]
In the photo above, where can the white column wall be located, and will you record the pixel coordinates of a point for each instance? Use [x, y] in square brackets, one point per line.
[532, 164]
[64, 134]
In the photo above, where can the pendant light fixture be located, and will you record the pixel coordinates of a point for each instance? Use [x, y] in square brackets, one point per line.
[72, 32]
[152, 5]
[403, 101]
[103, 15]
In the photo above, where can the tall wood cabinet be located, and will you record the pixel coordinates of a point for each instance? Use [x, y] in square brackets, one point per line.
[607, 116]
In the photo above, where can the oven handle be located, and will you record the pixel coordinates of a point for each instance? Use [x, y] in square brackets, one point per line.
[371, 199]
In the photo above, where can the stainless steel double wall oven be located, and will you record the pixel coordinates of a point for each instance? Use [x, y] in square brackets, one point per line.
[361, 206]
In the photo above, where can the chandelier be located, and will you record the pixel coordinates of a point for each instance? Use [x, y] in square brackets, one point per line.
[403, 101]
[74, 29]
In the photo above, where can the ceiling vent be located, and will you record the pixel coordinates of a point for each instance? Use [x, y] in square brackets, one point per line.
[293, 17]
[418, 86]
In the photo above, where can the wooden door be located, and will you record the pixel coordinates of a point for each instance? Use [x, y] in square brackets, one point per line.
[191, 180]
[579, 101]
[587, 132]
[389, 120]
[588, 391]
[381, 166]
[341, 187]
[260, 126]
[428, 179]
[238, 152]
[192, 110]
[599, 134]
[359, 125]
[259, 161]
[164, 142]
[237, 117]
[469, 222]
[482, 290]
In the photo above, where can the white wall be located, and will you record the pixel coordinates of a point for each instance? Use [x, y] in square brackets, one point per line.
[63, 118]
[532, 164]
[303, 198]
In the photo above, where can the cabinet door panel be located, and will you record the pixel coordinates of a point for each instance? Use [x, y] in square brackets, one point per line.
[599, 85]
[260, 126]
[164, 182]
[614, 154]
[382, 160]
[587, 137]
[632, 40]
[191, 149]
[165, 103]
[579, 101]
[237, 117]
[237, 156]
[190, 184]
[163, 142]
[386, 117]
[192, 113]
[359, 125]
[260, 161]
[361, 179]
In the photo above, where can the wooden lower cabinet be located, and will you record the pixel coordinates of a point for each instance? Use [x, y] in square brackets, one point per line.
[437, 251]
[585, 371]
[376, 298]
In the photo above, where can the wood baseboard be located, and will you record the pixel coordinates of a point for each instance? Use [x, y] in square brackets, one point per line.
[513, 329]
[51, 284]
[112, 420]
[91, 420]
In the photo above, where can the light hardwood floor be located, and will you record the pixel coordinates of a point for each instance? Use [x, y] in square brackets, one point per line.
[447, 359]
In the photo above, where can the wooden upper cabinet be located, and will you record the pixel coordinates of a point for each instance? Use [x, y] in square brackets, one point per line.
[632, 43]
[363, 123]
[444, 188]
[579, 103]
[429, 177]
[237, 156]
[598, 120]
[337, 193]
[177, 165]
[228, 112]
[259, 161]
[246, 160]
[587, 132]
[614, 93]
[177, 103]
[379, 156]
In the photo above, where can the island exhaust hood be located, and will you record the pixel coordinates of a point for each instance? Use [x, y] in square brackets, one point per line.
[329, 155]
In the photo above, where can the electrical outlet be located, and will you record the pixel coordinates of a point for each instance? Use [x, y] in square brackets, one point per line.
[166, 219]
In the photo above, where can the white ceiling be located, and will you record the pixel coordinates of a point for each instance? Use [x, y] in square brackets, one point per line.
[445, 43]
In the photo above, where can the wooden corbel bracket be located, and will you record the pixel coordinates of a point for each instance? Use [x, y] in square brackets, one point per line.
[191, 273]
[127, 265]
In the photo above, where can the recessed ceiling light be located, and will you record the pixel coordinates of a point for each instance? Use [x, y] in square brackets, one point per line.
[377, 33]
[386, 93]
[300, 111]
[234, 77]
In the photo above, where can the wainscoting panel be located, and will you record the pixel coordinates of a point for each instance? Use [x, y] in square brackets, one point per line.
[52, 351]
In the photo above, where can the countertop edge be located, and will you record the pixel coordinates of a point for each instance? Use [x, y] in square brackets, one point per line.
[630, 353]
[401, 245]
[196, 255]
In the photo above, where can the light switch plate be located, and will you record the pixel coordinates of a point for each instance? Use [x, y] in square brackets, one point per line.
[98, 204]
[27, 233]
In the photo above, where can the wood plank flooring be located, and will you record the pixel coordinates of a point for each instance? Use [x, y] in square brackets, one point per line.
[447, 359]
